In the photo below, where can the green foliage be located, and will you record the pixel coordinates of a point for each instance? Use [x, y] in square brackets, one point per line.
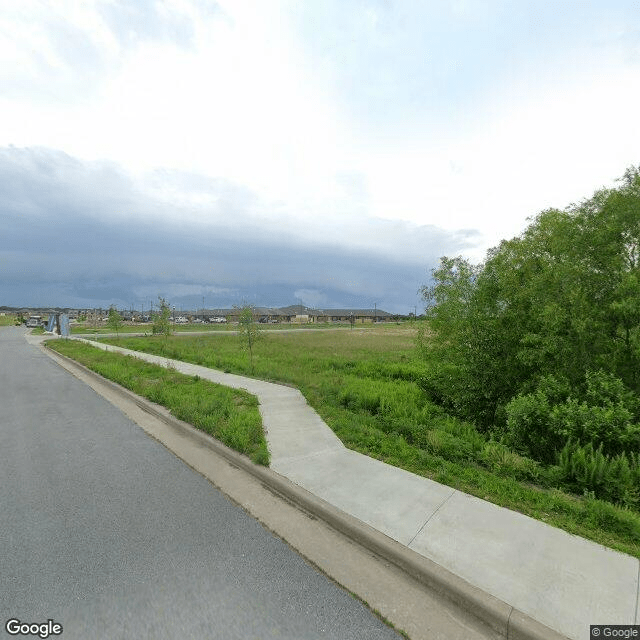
[558, 305]
[368, 387]
[540, 423]
[161, 322]
[506, 463]
[115, 319]
[528, 429]
[248, 332]
[613, 478]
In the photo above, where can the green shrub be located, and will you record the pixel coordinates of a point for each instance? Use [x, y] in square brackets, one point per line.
[539, 424]
[528, 427]
[613, 478]
[444, 385]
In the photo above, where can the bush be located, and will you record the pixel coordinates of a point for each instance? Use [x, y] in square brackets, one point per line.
[528, 427]
[588, 470]
[539, 424]
[447, 386]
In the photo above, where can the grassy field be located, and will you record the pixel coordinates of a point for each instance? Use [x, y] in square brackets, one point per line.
[7, 320]
[365, 383]
[85, 329]
[230, 415]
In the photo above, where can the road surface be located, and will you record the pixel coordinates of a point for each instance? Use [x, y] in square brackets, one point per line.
[105, 532]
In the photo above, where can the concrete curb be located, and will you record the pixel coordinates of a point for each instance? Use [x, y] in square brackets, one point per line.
[501, 617]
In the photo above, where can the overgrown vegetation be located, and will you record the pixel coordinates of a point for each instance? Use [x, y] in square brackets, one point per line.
[367, 384]
[230, 415]
[539, 346]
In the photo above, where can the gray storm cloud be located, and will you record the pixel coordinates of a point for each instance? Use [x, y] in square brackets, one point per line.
[74, 233]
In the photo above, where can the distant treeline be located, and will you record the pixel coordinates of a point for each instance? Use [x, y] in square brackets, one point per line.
[540, 344]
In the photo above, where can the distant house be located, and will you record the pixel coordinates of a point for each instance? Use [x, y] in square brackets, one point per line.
[292, 314]
[299, 314]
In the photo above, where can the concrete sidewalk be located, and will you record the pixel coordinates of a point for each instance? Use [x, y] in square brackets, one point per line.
[560, 580]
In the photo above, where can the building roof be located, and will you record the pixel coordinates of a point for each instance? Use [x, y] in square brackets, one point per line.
[300, 310]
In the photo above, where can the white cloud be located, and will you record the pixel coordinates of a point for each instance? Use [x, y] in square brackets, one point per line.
[531, 148]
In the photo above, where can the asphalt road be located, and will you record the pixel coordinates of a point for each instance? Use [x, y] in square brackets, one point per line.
[107, 533]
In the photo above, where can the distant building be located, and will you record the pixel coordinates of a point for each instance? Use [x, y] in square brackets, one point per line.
[299, 314]
[295, 314]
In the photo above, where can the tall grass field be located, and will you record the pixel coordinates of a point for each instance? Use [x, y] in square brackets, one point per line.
[365, 384]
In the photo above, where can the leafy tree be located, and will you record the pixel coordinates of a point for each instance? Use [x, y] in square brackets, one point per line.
[115, 320]
[560, 300]
[161, 323]
[448, 334]
[248, 331]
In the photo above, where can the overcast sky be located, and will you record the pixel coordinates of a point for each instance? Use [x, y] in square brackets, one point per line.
[324, 152]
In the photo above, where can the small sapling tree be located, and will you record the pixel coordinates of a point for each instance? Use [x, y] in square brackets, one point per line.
[248, 331]
[161, 323]
[115, 320]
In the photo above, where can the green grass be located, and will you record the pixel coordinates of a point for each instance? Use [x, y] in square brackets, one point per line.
[365, 383]
[7, 320]
[84, 329]
[230, 415]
